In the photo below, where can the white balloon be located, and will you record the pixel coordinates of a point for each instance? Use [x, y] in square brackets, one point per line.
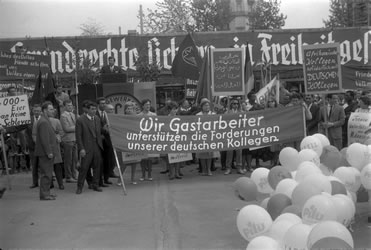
[279, 229]
[289, 217]
[320, 181]
[325, 170]
[264, 203]
[356, 155]
[318, 208]
[323, 139]
[305, 169]
[311, 142]
[260, 177]
[366, 176]
[347, 176]
[309, 155]
[344, 210]
[263, 242]
[297, 236]
[357, 183]
[349, 201]
[286, 186]
[289, 158]
[352, 196]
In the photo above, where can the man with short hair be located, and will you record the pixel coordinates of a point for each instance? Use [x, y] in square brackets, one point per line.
[31, 138]
[45, 149]
[12, 91]
[90, 146]
[312, 124]
[68, 122]
[111, 68]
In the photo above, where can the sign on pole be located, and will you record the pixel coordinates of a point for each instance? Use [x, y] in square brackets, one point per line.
[322, 68]
[359, 127]
[14, 111]
[227, 72]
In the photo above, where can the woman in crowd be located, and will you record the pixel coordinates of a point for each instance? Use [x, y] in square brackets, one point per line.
[129, 109]
[146, 164]
[174, 168]
[205, 157]
[364, 105]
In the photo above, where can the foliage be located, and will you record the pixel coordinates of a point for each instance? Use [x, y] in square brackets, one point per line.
[347, 13]
[147, 71]
[266, 15]
[91, 28]
[86, 70]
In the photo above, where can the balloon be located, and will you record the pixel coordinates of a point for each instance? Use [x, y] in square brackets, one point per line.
[293, 174]
[309, 155]
[343, 160]
[286, 187]
[276, 204]
[311, 142]
[356, 155]
[260, 177]
[252, 221]
[357, 184]
[279, 229]
[320, 181]
[318, 208]
[303, 192]
[352, 196]
[263, 242]
[366, 176]
[245, 189]
[350, 202]
[347, 176]
[292, 209]
[338, 188]
[323, 139]
[264, 203]
[305, 169]
[296, 237]
[325, 170]
[289, 217]
[332, 231]
[276, 174]
[330, 157]
[343, 210]
[289, 158]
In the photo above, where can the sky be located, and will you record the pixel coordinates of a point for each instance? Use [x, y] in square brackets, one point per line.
[39, 18]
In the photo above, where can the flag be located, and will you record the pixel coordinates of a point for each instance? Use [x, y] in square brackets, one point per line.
[249, 73]
[187, 61]
[37, 96]
[204, 81]
[269, 90]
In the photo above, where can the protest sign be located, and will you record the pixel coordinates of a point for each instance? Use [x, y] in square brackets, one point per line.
[23, 66]
[321, 65]
[132, 157]
[179, 157]
[268, 91]
[165, 134]
[359, 127]
[14, 111]
[227, 72]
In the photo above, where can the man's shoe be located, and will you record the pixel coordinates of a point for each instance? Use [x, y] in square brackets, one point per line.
[61, 187]
[240, 171]
[164, 172]
[103, 185]
[97, 189]
[108, 182]
[79, 190]
[227, 172]
[47, 198]
[70, 181]
[34, 186]
[53, 195]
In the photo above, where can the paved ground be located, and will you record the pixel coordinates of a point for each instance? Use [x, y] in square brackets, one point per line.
[196, 212]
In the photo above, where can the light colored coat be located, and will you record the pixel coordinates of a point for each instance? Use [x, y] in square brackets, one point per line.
[68, 122]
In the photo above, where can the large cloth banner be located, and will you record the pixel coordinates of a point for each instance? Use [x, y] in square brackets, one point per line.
[359, 127]
[166, 134]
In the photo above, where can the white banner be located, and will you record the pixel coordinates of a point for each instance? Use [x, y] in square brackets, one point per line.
[14, 111]
[269, 90]
[180, 157]
[359, 129]
[132, 157]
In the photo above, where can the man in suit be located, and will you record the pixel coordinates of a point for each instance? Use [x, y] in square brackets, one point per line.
[108, 155]
[31, 139]
[335, 119]
[45, 149]
[349, 106]
[111, 68]
[312, 124]
[90, 146]
[68, 122]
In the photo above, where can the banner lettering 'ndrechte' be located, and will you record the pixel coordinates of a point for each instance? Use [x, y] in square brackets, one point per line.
[172, 134]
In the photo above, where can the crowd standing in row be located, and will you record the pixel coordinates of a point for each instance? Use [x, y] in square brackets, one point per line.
[78, 148]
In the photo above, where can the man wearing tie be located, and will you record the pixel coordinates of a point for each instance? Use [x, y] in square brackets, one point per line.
[335, 119]
[111, 68]
[68, 122]
[89, 144]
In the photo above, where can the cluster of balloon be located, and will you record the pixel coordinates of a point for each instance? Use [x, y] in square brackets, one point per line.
[312, 197]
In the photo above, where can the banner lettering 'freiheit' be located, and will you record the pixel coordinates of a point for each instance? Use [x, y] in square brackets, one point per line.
[172, 134]
[14, 111]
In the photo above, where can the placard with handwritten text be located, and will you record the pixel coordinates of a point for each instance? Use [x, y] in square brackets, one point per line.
[14, 111]
[227, 71]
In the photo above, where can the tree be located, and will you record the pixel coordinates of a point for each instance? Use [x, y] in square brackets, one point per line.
[91, 28]
[266, 15]
[347, 13]
[211, 15]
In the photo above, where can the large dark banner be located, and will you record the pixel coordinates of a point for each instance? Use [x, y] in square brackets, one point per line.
[206, 133]
[281, 48]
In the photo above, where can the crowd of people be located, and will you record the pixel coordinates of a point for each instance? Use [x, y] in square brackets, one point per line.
[78, 149]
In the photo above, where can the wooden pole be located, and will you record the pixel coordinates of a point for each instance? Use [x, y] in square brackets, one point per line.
[5, 161]
[325, 115]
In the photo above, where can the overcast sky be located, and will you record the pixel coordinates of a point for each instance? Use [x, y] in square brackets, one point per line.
[39, 18]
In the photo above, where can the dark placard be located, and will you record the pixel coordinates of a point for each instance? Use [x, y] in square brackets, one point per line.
[322, 71]
[191, 89]
[227, 77]
[22, 66]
